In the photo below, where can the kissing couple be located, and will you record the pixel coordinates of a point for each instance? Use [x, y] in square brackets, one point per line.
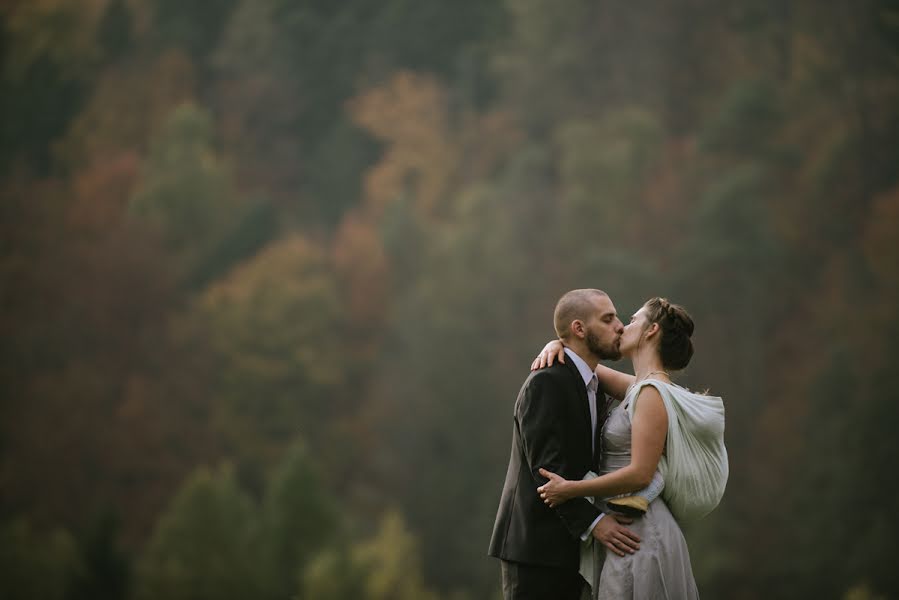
[594, 494]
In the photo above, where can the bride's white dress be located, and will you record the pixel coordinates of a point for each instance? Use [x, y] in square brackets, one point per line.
[661, 569]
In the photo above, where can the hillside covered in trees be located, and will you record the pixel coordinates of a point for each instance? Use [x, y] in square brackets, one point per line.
[273, 271]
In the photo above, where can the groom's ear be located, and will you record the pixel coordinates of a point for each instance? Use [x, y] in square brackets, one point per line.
[577, 328]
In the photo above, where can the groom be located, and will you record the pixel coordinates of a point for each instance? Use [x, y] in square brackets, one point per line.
[557, 426]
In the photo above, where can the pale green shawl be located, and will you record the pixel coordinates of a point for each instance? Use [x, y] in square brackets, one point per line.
[694, 463]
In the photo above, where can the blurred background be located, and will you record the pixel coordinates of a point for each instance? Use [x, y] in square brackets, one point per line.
[272, 273]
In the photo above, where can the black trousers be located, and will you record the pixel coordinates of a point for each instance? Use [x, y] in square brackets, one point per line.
[537, 582]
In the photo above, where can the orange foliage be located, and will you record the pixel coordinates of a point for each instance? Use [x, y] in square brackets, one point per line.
[101, 194]
[427, 151]
[86, 308]
[362, 268]
[879, 242]
[409, 114]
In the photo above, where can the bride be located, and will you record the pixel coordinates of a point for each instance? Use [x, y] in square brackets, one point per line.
[660, 432]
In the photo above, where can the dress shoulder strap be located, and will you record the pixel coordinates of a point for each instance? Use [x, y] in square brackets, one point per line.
[630, 398]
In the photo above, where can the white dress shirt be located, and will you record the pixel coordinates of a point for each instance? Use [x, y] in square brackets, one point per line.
[592, 384]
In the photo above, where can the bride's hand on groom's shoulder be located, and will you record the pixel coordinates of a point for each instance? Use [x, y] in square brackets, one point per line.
[555, 491]
[551, 351]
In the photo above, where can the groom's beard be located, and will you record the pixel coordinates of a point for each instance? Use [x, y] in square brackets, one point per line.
[604, 352]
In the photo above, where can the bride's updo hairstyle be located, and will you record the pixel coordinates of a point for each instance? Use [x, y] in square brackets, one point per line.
[676, 325]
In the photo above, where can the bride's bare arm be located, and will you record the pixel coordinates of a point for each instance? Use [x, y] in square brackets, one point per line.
[648, 433]
[614, 383]
[552, 351]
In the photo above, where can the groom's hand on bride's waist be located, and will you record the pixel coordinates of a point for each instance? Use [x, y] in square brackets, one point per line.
[615, 536]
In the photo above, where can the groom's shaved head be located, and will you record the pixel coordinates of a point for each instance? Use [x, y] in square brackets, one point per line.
[576, 305]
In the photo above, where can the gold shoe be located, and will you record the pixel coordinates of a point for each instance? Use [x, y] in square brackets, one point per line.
[632, 506]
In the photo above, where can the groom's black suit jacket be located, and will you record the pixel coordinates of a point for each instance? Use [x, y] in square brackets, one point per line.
[551, 430]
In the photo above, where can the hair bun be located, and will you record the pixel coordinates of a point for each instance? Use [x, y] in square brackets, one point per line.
[676, 347]
[684, 323]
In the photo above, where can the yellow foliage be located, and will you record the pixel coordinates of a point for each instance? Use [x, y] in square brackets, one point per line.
[391, 559]
[384, 567]
[862, 592]
[275, 317]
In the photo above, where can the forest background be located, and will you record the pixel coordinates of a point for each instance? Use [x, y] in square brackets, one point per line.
[272, 273]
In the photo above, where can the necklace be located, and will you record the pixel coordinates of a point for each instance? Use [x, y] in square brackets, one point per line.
[636, 381]
[665, 373]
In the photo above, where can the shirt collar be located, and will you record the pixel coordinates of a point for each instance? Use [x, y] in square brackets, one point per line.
[582, 367]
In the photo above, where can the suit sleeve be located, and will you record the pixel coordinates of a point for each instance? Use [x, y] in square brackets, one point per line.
[540, 420]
